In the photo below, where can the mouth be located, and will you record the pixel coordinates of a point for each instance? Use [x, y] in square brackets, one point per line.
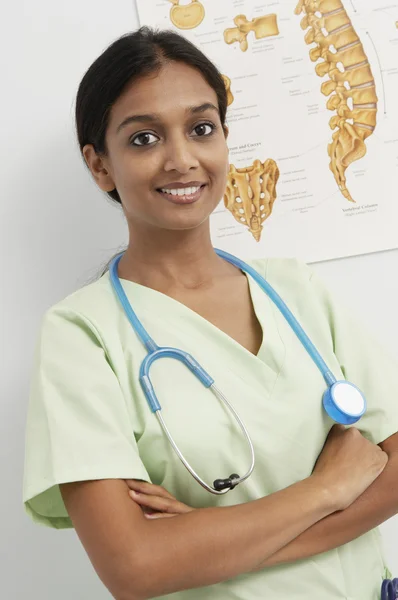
[182, 195]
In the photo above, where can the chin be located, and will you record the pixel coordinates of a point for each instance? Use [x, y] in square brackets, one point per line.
[185, 224]
[184, 219]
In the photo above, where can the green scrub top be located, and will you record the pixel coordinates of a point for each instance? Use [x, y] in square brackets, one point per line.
[88, 418]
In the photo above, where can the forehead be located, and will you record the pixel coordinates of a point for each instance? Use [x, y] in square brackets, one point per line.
[173, 88]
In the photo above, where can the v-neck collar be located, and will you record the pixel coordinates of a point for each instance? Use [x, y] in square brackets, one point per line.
[175, 314]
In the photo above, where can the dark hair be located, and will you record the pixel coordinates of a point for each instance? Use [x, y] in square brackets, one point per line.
[132, 56]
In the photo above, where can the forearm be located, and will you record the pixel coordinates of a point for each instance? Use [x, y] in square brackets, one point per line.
[377, 504]
[210, 545]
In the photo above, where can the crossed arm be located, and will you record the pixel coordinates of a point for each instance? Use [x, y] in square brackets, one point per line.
[377, 504]
[310, 526]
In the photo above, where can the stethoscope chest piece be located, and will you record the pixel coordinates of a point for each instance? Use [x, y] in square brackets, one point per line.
[344, 402]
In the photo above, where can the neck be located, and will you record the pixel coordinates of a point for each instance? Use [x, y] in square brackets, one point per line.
[164, 259]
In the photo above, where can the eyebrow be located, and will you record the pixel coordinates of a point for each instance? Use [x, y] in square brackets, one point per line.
[154, 117]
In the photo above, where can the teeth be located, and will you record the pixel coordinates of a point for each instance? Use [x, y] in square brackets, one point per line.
[188, 191]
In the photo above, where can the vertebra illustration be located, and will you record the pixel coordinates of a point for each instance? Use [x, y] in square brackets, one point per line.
[230, 96]
[352, 90]
[187, 16]
[262, 26]
[251, 193]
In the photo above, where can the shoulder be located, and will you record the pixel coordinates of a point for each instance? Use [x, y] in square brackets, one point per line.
[295, 282]
[91, 306]
[283, 271]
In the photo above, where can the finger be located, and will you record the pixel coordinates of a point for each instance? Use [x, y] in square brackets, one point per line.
[159, 515]
[158, 503]
[148, 488]
[146, 509]
[339, 427]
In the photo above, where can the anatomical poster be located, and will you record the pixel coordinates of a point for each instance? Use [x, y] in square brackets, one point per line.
[313, 121]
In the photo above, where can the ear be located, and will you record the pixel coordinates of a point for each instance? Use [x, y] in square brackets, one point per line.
[99, 169]
[226, 131]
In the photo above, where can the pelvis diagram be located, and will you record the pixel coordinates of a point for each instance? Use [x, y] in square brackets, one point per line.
[187, 16]
[251, 193]
[351, 85]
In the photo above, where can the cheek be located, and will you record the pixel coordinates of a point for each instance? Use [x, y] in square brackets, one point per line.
[139, 167]
[127, 169]
[219, 164]
[221, 169]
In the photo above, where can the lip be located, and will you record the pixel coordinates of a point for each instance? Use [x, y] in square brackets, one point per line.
[189, 199]
[175, 185]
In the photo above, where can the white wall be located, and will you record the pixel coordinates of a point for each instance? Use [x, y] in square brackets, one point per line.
[56, 231]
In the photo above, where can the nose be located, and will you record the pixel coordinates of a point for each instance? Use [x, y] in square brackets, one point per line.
[180, 156]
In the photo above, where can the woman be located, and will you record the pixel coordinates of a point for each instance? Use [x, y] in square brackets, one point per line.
[151, 126]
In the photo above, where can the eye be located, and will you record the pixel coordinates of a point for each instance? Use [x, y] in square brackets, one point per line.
[204, 129]
[144, 139]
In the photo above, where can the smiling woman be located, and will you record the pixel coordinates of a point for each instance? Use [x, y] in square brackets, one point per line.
[151, 157]
[151, 125]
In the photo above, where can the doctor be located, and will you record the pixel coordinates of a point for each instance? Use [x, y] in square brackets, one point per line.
[151, 126]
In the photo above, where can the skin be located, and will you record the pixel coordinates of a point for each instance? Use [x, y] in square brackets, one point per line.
[377, 504]
[170, 250]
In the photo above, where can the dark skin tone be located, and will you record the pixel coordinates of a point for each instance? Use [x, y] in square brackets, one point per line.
[376, 505]
[170, 249]
[180, 250]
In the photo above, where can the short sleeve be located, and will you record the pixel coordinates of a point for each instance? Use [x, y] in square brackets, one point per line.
[78, 426]
[364, 361]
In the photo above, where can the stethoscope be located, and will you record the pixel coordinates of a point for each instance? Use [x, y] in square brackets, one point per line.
[342, 400]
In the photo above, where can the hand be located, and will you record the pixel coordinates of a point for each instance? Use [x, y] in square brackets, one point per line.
[348, 465]
[155, 501]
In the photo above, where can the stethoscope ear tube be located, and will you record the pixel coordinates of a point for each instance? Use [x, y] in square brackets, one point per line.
[220, 486]
[342, 401]
[177, 354]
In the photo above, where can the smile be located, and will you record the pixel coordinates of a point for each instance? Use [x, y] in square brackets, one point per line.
[186, 195]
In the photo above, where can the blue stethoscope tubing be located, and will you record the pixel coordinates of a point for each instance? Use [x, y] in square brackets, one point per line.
[332, 405]
[389, 589]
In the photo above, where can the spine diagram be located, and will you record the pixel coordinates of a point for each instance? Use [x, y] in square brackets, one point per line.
[230, 96]
[251, 193]
[187, 16]
[262, 26]
[351, 84]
